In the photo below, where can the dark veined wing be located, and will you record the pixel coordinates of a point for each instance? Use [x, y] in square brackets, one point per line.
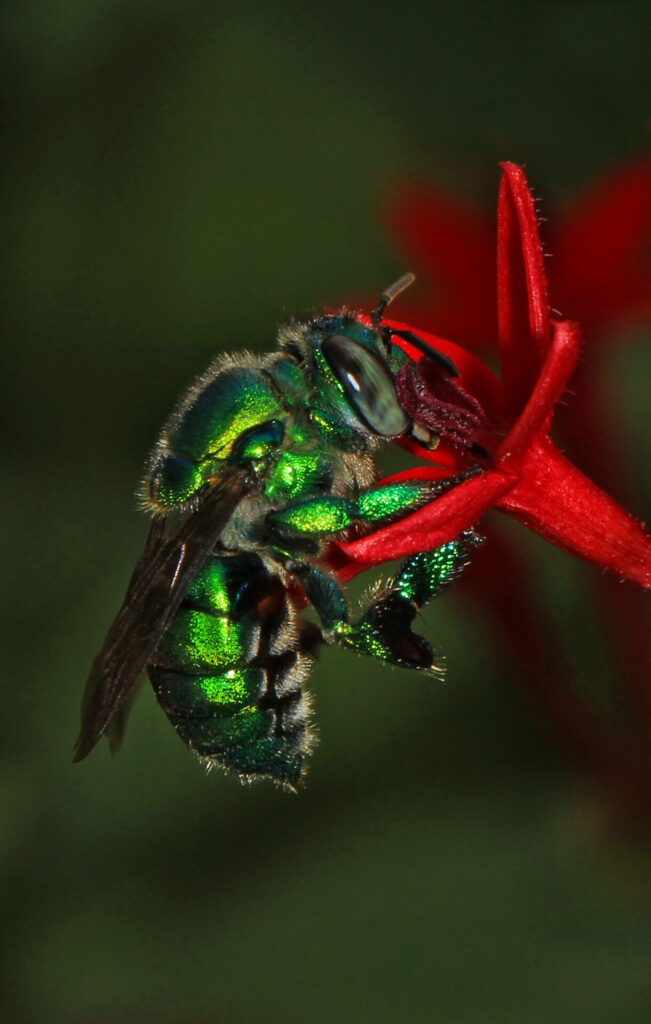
[159, 583]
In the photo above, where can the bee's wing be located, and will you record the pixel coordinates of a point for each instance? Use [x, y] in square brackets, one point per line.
[159, 583]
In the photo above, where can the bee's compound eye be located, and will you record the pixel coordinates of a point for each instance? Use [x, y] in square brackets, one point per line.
[367, 385]
[174, 480]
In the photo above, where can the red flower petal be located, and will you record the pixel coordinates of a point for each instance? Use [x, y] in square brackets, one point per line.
[445, 454]
[557, 501]
[602, 252]
[601, 249]
[418, 473]
[522, 303]
[536, 416]
[434, 524]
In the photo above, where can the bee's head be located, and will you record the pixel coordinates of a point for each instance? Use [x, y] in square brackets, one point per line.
[354, 369]
[354, 364]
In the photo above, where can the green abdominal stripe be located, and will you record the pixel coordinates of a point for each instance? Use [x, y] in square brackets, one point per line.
[229, 672]
[230, 669]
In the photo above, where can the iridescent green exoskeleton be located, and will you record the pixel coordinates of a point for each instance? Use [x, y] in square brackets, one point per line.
[264, 461]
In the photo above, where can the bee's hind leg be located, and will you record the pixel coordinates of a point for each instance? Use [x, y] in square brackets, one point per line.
[324, 594]
[384, 628]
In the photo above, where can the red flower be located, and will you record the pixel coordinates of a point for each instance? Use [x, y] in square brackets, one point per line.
[525, 475]
[600, 247]
[600, 252]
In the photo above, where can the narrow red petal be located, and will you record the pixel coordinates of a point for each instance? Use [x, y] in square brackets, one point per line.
[446, 454]
[342, 565]
[552, 382]
[435, 524]
[522, 302]
[556, 500]
[418, 473]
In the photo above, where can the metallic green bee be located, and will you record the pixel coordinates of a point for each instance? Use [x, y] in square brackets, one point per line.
[264, 461]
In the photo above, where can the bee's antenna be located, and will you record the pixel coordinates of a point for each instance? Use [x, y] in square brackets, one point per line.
[391, 293]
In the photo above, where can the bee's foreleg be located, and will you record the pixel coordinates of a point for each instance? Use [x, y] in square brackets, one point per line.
[330, 514]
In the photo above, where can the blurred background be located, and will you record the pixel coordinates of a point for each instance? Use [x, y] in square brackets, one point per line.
[177, 178]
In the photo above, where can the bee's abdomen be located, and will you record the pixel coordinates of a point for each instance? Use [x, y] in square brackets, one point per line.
[229, 671]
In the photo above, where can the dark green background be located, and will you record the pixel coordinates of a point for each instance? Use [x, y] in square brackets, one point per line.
[176, 178]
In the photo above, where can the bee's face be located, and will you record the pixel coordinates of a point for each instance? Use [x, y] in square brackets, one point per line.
[355, 372]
